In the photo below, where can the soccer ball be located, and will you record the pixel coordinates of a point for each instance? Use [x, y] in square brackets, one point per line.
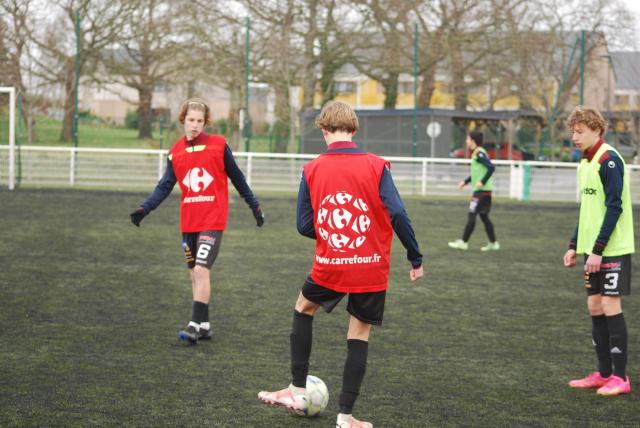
[343, 221]
[317, 396]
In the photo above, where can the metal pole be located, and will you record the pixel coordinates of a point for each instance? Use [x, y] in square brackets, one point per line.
[12, 138]
[77, 82]
[19, 124]
[433, 140]
[247, 70]
[161, 132]
[583, 43]
[499, 142]
[415, 92]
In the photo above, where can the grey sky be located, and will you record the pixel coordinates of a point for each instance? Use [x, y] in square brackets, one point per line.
[634, 6]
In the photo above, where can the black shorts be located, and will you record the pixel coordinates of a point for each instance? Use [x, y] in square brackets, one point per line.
[614, 278]
[366, 307]
[205, 245]
[480, 203]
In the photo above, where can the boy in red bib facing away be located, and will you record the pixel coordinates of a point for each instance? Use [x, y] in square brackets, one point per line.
[200, 164]
[349, 204]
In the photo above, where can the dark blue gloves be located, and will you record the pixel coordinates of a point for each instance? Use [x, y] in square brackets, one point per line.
[137, 216]
[259, 216]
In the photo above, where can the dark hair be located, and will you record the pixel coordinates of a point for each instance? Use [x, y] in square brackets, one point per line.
[476, 137]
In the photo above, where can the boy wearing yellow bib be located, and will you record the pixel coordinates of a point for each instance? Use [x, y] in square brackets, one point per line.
[482, 185]
[604, 235]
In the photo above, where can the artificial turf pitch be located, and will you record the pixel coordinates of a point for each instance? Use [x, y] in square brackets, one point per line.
[90, 306]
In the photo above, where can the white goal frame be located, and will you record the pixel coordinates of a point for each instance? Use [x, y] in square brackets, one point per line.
[12, 134]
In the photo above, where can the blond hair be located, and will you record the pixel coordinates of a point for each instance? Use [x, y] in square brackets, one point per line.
[196, 104]
[337, 116]
[589, 117]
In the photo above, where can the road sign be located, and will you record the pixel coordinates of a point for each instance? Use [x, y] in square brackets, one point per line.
[434, 129]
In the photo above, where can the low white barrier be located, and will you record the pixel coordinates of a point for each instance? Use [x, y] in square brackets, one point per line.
[139, 169]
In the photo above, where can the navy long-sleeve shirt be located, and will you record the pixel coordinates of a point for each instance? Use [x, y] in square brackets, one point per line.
[168, 181]
[612, 182]
[391, 199]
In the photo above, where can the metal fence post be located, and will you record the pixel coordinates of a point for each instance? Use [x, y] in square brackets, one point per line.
[72, 166]
[526, 181]
[515, 181]
[249, 167]
[423, 190]
[12, 138]
[160, 163]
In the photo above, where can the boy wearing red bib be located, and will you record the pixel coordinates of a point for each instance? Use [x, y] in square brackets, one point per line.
[200, 164]
[349, 204]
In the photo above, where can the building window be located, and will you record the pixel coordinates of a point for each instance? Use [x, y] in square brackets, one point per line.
[405, 87]
[622, 100]
[345, 87]
[161, 87]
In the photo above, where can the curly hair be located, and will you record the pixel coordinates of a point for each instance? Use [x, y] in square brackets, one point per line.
[589, 117]
[337, 116]
[195, 104]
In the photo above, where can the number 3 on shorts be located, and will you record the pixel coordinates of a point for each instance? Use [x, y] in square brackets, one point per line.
[203, 252]
[611, 281]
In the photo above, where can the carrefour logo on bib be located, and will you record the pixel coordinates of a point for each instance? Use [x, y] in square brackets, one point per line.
[342, 221]
[197, 179]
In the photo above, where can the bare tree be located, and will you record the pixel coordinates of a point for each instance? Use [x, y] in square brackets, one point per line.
[149, 52]
[219, 53]
[55, 44]
[382, 50]
[538, 39]
[14, 36]
[309, 78]
[278, 56]
[430, 50]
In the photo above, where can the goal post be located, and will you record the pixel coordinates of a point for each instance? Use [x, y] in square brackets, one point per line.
[12, 134]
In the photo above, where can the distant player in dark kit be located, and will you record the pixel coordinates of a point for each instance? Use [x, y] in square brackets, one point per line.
[200, 164]
[349, 204]
[604, 235]
[482, 185]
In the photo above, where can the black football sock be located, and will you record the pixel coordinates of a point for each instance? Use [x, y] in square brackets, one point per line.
[468, 228]
[301, 338]
[618, 341]
[197, 314]
[354, 368]
[488, 227]
[206, 314]
[600, 335]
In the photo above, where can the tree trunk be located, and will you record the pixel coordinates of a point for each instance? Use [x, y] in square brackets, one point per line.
[145, 118]
[283, 113]
[66, 134]
[390, 85]
[460, 97]
[233, 120]
[327, 82]
[309, 78]
[427, 87]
